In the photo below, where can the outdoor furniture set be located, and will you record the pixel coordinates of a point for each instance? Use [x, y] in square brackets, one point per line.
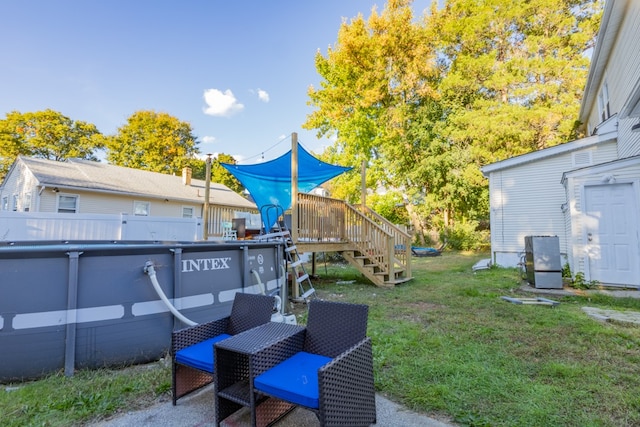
[271, 368]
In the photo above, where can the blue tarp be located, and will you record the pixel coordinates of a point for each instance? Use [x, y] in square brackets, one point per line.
[270, 182]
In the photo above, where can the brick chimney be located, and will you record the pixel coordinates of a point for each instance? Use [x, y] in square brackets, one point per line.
[186, 175]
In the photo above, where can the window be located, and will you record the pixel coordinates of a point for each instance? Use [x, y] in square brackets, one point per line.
[603, 102]
[5, 203]
[141, 208]
[27, 202]
[14, 205]
[187, 212]
[67, 204]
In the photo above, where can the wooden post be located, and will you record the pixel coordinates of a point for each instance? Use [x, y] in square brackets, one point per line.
[207, 189]
[295, 292]
[363, 186]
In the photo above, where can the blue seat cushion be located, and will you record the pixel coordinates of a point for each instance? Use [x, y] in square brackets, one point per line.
[200, 356]
[294, 380]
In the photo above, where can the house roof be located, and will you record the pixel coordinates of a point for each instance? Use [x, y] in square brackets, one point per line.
[87, 175]
[567, 147]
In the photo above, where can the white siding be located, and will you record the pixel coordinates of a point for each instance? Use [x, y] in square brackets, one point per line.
[621, 74]
[527, 200]
[628, 142]
[575, 184]
[19, 182]
[104, 203]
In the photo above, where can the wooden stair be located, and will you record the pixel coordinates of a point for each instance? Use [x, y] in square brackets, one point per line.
[380, 250]
[372, 270]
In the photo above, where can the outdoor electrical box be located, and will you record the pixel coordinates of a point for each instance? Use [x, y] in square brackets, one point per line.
[543, 262]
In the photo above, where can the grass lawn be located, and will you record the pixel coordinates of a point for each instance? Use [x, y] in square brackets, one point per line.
[444, 344]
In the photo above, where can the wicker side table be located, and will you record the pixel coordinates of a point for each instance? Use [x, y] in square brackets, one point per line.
[241, 358]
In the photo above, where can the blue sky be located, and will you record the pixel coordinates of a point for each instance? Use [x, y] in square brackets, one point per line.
[238, 71]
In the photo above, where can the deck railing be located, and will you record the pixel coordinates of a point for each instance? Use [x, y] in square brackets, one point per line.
[401, 239]
[323, 219]
[219, 214]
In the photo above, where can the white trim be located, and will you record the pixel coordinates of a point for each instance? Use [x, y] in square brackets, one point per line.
[142, 202]
[600, 168]
[631, 107]
[76, 196]
[609, 26]
[549, 152]
[193, 211]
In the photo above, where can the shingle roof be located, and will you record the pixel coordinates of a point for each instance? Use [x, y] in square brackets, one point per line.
[102, 177]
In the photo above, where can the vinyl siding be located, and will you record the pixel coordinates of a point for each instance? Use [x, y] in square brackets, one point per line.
[91, 203]
[628, 142]
[621, 74]
[575, 191]
[527, 200]
[19, 182]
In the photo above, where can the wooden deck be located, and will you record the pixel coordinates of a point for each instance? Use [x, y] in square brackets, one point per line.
[377, 248]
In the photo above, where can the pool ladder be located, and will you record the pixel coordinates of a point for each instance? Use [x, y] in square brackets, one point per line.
[294, 262]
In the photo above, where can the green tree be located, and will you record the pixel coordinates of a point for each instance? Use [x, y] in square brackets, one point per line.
[518, 87]
[512, 81]
[223, 176]
[46, 134]
[379, 72]
[428, 102]
[153, 141]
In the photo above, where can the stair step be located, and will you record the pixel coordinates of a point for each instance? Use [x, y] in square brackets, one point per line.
[302, 278]
[295, 263]
[308, 293]
[290, 248]
[398, 281]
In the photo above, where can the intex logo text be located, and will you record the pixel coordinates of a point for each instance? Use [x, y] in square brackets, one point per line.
[204, 264]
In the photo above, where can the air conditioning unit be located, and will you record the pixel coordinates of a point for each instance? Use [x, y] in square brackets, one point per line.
[543, 262]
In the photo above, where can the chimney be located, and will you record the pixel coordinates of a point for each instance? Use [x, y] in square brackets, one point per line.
[186, 175]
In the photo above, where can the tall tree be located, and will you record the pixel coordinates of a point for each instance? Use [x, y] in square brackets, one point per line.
[46, 134]
[429, 101]
[374, 78]
[517, 88]
[513, 75]
[153, 141]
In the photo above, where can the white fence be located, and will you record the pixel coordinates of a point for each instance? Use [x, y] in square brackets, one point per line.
[21, 226]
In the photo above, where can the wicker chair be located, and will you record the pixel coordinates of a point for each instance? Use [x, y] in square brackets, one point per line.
[192, 347]
[331, 373]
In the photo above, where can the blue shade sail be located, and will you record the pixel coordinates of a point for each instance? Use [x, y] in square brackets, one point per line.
[270, 182]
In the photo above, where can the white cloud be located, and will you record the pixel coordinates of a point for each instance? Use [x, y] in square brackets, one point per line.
[263, 95]
[208, 139]
[203, 156]
[222, 104]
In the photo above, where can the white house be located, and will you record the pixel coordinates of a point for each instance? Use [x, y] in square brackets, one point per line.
[79, 186]
[586, 192]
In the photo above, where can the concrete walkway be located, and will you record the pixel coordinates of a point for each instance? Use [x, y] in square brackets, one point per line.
[197, 410]
[603, 315]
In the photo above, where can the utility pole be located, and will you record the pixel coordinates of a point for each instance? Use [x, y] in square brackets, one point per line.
[207, 188]
[294, 187]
